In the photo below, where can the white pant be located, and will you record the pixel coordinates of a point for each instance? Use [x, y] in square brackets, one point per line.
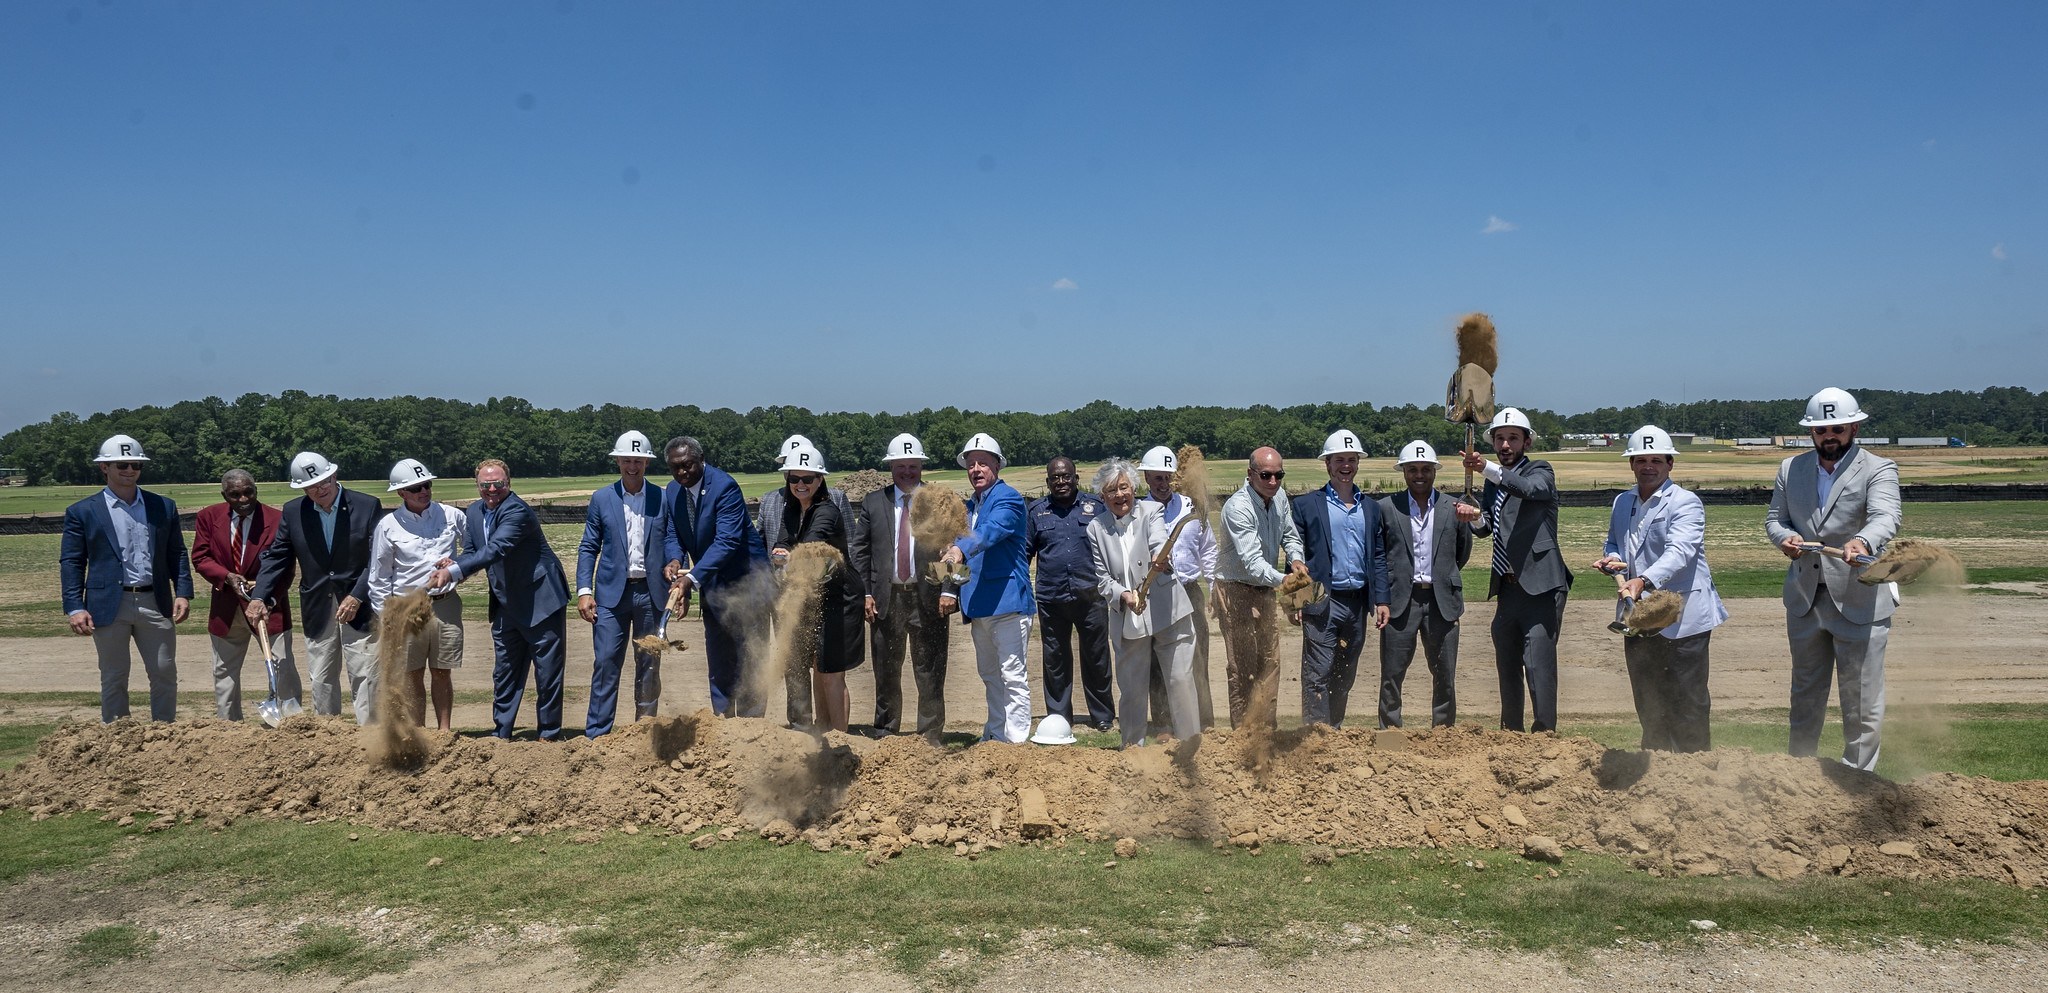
[338, 647]
[157, 638]
[999, 655]
[228, 654]
[1173, 650]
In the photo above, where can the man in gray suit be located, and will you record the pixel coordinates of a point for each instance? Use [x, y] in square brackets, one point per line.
[1844, 497]
[1519, 511]
[1428, 538]
[902, 602]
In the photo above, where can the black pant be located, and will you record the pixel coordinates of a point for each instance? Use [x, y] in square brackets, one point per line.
[913, 622]
[1332, 638]
[1089, 617]
[1525, 630]
[1669, 677]
[1439, 638]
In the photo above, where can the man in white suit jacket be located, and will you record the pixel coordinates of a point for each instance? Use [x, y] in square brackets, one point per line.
[1842, 496]
[1656, 536]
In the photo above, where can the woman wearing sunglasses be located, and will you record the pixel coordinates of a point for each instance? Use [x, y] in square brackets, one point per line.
[835, 646]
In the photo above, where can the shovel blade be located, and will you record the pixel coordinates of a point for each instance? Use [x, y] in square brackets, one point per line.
[272, 711]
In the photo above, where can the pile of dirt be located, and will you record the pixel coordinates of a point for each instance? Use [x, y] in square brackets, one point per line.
[1723, 812]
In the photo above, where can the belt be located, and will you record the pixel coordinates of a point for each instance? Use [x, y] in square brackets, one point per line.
[441, 596]
[144, 588]
[1423, 586]
[1348, 594]
[912, 585]
[642, 581]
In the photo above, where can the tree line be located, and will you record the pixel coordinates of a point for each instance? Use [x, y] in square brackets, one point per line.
[197, 440]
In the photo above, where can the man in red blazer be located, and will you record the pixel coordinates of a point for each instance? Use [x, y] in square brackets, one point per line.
[227, 542]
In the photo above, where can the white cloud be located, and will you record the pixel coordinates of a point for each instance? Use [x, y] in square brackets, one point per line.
[1066, 284]
[1998, 251]
[1928, 145]
[1495, 225]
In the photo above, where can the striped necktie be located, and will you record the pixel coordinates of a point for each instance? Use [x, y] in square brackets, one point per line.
[1500, 538]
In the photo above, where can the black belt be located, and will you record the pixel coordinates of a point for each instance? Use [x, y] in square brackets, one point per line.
[1348, 594]
[912, 585]
[144, 588]
[1423, 586]
[642, 581]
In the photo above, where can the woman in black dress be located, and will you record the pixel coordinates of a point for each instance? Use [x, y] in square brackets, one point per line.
[836, 645]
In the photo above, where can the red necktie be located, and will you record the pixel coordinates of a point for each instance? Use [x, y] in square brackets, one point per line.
[903, 543]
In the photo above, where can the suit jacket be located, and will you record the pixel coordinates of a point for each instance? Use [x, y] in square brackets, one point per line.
[601, 555]
[771, 512]
[526, 580]
[1123, 551]
[1529, 521]
[1318, 549]
[1450, 548]
[871, 550]
[343, 570]
[1862, 503]
[720, 544]
[89, 559]
[1663, 540]
[214, 557]
[998, 568]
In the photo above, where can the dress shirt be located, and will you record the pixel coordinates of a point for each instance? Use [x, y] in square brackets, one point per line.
[131, 530]
[405, 548]
[327, 520]
[1422, 537]
[1194, 555]
[1058, 538]
[1824, 481]
[1260, 538]
[1347, 539]
[631, 507]
[904, 539]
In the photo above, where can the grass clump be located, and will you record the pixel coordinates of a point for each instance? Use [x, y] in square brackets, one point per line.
[339, 951]
[108, 945]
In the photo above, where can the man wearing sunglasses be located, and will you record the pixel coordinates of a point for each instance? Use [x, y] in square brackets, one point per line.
[1260, 546]
[228, 540]
[126, 577]
[325, 536]
[406, 548]
[1841, 496]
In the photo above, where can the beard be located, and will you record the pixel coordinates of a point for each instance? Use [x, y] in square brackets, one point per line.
[1832, 447]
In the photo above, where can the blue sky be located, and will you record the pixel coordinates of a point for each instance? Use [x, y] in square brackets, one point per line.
[1015, 206]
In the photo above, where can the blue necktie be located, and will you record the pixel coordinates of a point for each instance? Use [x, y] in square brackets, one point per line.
[1500, 538]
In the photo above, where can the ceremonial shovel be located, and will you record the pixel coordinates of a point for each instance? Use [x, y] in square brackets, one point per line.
[272, 710]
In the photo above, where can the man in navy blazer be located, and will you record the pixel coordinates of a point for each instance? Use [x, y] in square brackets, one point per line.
[620, 587]
[708, 524]
[326, 533]
[126, 577]
[1340, 543]
[529, 599]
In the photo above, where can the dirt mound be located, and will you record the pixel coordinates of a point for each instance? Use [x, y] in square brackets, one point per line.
[1729, 811]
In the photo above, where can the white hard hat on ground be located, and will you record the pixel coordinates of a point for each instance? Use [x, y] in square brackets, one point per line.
[1342, 443]
[1649, 440]
[1832, 406]
[981, 442]
[799, 455]
[1158, 458]
[121, 448]
[1053, 730]
[1417, 451]
[408, 473]
[310, 468]
[632, 445]
[904, 446]
[791, 444]
[1509, 417]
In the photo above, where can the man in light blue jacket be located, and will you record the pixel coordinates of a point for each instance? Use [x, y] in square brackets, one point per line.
[1656, 537]
[996, 600]
[620, 588]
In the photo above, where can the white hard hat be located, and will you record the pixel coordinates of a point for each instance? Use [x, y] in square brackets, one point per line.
[1417, 451]
[1649, 440]
[309, 468]
[792, 443]
[1831, 406]
[981, 442]
[1054, 730]
[1509, 417]
[904, 446]
[407, 473]
[1341, 443]
[121, 448]
[1159, 458]
[632, 445]
[801, 456]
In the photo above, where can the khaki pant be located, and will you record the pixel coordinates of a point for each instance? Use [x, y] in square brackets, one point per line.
[339, 647]
[439, 643]
[1251, 639]
[157, 639]
[228, 653]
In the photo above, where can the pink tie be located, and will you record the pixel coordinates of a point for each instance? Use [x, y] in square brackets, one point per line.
[903, 544]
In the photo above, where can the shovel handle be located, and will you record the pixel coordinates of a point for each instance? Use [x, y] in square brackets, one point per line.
[1836, 553]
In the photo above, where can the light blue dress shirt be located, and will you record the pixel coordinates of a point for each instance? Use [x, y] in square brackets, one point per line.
[1347, 540]
[327, 519]
[131, 532]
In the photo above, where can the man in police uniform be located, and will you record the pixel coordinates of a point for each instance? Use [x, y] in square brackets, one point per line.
[1068, 602]
[1519, 511]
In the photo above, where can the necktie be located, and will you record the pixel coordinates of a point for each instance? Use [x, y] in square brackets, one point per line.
[690, 511]
[903, 543]
[1500, 538]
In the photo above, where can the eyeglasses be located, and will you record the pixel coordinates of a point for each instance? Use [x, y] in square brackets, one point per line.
[1832, 429]
[421, 488]
[501, 484]
[1274, 476]
[126, 466]
[803, 480]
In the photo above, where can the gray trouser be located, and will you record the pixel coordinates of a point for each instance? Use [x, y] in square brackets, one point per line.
[332, 650]
[157, 639]
[1332, 637]
[914, 626]
[1170, 652]
[1827, 648]
[228, 654]
[1423, 623]
[1204, 704]
[1669, 678]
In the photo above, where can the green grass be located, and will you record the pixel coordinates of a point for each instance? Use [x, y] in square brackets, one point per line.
[18, 741]
[1999, 741]
[339, 951]
[113, 943]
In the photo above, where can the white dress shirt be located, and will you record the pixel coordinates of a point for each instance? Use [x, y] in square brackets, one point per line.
[1422, 537]
[1194, 555]
[636, 533]
[405, 547]
[903, 536]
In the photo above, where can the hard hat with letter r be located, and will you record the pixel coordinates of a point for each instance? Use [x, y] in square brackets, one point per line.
[1054, 730]
[799, 455]
[121, 448]
[1832, 406]
[981, 442]
[1649, 440]
[632, 445]
[791, 444]
[1158, 458]
[407, 474]
[1509, 417]
[1342, 443]
[311, 468]
[904, 446]
[1417, 451]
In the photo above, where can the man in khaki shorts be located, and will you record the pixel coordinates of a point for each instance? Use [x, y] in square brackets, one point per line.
[403, 552]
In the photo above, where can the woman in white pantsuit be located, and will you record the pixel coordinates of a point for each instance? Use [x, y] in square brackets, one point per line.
[1124, 543]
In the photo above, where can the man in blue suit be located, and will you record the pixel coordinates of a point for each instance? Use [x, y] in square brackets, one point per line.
[620, 588]
[126, 577]
[997, 600]
[1340, 542]
[529, 599]
[708, 523]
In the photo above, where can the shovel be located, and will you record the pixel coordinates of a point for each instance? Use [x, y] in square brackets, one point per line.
[272, 710]
[1616, 625]
[675, 594]
[1836, 553]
